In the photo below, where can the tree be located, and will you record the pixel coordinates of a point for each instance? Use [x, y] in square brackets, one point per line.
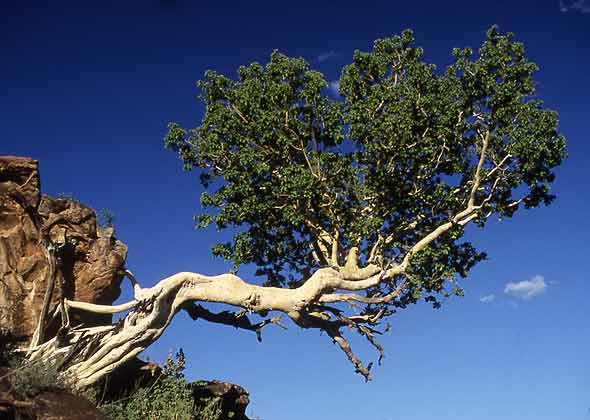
[351, 208]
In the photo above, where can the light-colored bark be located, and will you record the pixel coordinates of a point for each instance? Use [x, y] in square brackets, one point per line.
[91, 353]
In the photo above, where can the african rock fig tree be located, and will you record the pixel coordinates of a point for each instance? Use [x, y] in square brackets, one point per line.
[350, 207]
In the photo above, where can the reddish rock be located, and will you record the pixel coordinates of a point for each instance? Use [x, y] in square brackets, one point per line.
[44, 405]
[89, 263]
[50, 406]
[231, 399]
[19, 178]
[89, 259]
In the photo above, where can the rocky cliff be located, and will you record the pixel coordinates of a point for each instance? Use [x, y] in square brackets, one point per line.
[52, 248]
[34, 229]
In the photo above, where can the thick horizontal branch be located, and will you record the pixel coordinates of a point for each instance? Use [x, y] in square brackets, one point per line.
[155, 307]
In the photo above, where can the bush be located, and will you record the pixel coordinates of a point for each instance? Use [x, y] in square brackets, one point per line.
[106, 218]
[30, 378]
[168, 398]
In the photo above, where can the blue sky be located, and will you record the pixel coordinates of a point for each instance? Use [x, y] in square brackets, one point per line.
[88, 91]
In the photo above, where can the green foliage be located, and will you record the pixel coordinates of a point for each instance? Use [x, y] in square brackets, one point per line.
[106, 218]
[395, 156]
[169, 397]
[211, 410]
[29, 378]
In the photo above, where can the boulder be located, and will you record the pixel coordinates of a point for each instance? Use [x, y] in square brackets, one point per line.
[89, 259]
[45, 404]
[217, 400]
[44, 238]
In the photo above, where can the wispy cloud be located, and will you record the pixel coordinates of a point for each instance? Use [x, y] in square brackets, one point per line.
[334, 87]
[526, 289]
[582, 6]
[487, 298]
[327, 55]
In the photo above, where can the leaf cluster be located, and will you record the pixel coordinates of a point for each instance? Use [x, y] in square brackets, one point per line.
[286, 165]
[30, 378]
[169, 397]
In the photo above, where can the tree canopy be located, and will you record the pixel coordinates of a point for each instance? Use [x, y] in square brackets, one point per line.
[308, 179]
[378, 183]
[350, 206]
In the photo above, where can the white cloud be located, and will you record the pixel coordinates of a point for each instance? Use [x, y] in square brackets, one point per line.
[526, 289]
[334, 87]
[327, 55]
[487, 298]
[582, 6]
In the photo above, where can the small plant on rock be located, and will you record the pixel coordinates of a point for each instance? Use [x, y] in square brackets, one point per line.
[168, 398]
[30, 378]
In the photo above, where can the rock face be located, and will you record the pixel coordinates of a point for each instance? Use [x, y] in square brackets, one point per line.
[219, 400]
[89, 261]
[214, 400]
[45, 241]
[47, 404]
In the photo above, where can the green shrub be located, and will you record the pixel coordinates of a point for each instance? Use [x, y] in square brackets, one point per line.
[168, 398]
[29, 378]
[106, 218]
[211, 410]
